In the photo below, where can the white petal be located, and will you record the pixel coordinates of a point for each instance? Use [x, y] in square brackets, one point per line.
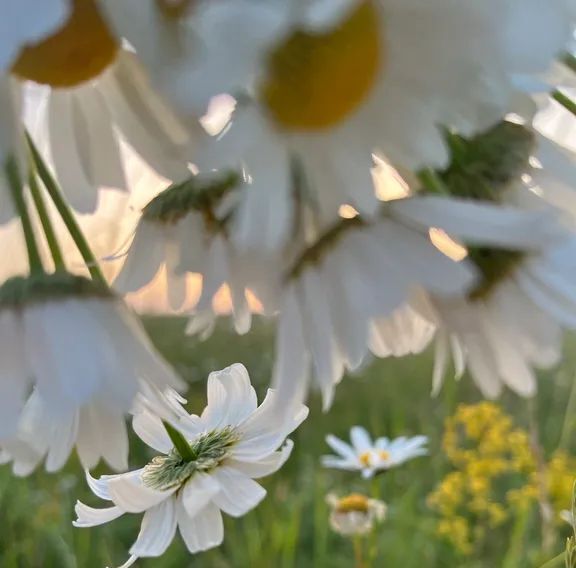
[360, 439]
[157, 531]
[238, 494]
[198, 492]
[90, 517]
[265, 466]
[204, 531]
[149, 429]
[340, 447]
[131, 495]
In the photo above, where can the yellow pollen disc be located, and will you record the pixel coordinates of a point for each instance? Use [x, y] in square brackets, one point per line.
[315, 81]
[76, 53]
[383, 455]
[365, 458]
[353, 502]
[174, 9]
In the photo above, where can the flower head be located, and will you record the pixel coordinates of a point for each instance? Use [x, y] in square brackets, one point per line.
[371, 457]
[230, 444]
[355, 514]
[86, 360]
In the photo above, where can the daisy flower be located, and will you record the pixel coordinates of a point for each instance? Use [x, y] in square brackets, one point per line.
[338, 292]
[372, 457]
[505, 330]
[85, 97]
[511, 321]
[87, 358]
[211, 469]
[184, 230]
[355, 514]
[325, 132]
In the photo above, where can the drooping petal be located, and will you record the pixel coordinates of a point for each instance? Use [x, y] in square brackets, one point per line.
[157, 531]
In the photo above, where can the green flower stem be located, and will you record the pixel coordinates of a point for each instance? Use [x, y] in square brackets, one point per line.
[358, 544]
[565, 101]
[65, 213]
[17, 190]
[180, 443]
[570, 61]
[49, 232]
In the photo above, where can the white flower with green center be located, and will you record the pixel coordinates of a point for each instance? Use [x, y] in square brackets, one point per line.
[208, 466]
[370, 457]
[87, 359]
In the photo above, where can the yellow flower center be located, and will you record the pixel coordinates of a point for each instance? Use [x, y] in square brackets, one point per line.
[383, 455]
[365, 459]
[174, 9]
[353, 502]
[315, 81]
[76, 53]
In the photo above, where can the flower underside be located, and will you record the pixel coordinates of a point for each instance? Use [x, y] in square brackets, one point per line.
[485, 166]
[79, 51]
[21, 291]
[208, 450]
[195, 194]
[482, 168]
[316, 80]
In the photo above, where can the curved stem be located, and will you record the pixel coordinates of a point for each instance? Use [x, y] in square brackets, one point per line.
[17, 190]
[65, 213]
[49, 232]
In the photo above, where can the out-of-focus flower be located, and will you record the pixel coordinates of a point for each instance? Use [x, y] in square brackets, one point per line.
[83, 130]
[87, 358]
[324, 133]
[372, 457]
[495, 475]
[355, 514]
[511, 321]
[232, 443]
[184, 229]
[339, 290]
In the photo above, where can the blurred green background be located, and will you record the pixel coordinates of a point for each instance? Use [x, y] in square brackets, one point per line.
[290, 528]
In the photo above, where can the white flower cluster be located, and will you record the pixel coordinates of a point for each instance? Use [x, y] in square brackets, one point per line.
[375, 175]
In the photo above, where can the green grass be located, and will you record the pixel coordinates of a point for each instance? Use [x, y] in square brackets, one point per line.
[290, 528]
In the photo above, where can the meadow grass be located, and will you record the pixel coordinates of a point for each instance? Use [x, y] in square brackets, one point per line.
[290, 528]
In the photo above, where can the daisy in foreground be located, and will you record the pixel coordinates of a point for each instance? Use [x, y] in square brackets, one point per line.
[208, 465]
[371, 457]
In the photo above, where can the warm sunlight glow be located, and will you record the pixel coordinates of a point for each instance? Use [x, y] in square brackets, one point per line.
[447, 245]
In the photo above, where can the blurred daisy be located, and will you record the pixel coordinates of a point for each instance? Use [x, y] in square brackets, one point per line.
[87, 358]
[372, 457]
[355, 514]
[512, 322]
[232, 443]
[341, 288]
[94, 97]
[184, 230]
[324, 133]
[96, 430]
